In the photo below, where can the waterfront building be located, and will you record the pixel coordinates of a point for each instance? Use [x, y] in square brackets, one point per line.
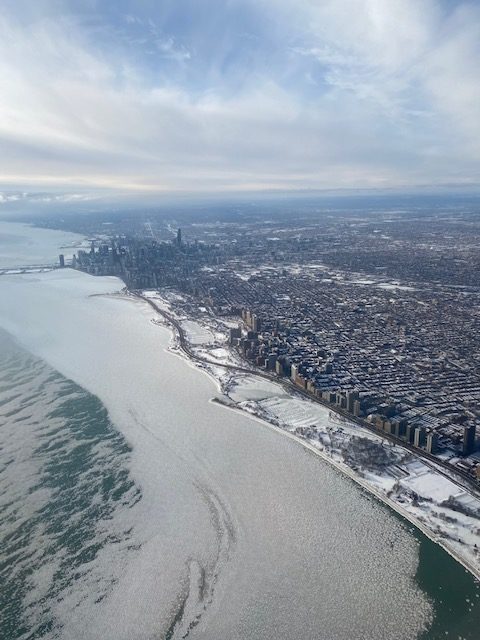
[293, 372]
[235, 334]
[468, 439]
[357, 408]
[432, 442]
[352, 397]
[419, 437]
[409, 433]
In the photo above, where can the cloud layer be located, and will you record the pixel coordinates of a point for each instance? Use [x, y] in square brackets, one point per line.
[239, 95]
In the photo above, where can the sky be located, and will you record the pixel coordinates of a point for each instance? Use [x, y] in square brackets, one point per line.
[228, 96]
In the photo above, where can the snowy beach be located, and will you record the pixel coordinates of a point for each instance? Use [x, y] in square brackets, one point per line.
[444, 510]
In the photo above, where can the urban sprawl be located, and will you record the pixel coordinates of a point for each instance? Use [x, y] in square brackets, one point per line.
[376, 316]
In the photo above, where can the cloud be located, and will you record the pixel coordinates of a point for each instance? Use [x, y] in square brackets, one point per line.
[146, 35]
[18, 199]
[271, 94]
[410, 58]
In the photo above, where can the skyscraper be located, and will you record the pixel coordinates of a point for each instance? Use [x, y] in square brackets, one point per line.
[468, 439]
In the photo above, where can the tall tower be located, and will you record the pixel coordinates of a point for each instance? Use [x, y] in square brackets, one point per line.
[179, 237]
[468, 439]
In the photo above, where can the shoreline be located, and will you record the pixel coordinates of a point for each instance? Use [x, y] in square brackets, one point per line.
[182, 349]
[440, 467]
[350, 473]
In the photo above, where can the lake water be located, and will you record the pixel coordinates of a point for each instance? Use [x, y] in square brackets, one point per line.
[135, 508]
[22, 245]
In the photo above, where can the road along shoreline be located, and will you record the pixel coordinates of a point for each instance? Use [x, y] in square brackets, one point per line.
[439, 465]
[184, 347]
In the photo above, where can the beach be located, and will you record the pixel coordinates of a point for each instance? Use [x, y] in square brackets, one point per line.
[431, 485]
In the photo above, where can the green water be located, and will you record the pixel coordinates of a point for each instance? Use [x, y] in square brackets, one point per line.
[63, 477]
[455, 594]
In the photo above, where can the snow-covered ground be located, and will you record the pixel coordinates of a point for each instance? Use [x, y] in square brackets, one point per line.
[442, 508]
[197, 334]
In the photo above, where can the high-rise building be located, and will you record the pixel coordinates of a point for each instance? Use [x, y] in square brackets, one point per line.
[293, 372]
[468, 439]
[432, 442]
[357, 408]
[235, 334]
[419, 438]
[270, 362]
[256, 323]
[61, 259]
[352, 397]
[179, 237]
